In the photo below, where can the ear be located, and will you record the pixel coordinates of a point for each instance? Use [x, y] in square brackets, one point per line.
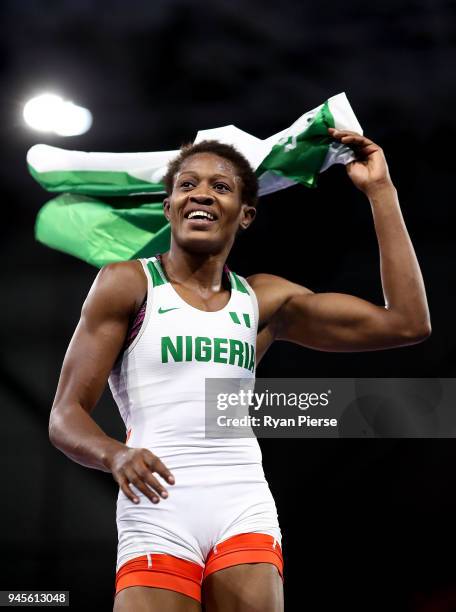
[247, 216]
[166, 205]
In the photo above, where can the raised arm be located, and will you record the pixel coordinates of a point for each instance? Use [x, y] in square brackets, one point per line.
[99, 336]
[340, 322]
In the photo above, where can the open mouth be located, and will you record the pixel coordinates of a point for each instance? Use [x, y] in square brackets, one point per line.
[200, 216]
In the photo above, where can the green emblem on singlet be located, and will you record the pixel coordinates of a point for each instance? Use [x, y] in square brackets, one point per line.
[200, 348]
[163, 310]
[235, 318]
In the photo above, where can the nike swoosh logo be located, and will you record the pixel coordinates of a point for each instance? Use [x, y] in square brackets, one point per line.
[163, 310]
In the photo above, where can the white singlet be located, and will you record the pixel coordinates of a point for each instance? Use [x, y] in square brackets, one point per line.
[159, 386]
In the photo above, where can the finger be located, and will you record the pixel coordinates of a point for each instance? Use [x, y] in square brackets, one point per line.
[123, 483]
[338, 133]
[358, 142]
[141, 486]
[362, 149]
[156, 465]
[353, 136]
[362, 153]
[155, 484]
[145, 475]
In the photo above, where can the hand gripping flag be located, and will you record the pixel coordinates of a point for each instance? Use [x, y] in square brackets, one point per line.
[110, 207]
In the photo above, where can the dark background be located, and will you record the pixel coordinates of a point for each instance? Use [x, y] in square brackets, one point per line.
[367, 524]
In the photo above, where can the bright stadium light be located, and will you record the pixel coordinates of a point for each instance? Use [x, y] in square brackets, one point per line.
[72, 120]
[50, 113]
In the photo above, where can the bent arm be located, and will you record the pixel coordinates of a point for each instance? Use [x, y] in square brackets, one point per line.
[402, 281]
[338, 322]
[91, 354]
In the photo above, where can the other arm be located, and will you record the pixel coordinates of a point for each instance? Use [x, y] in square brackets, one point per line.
[91, 354]
[340, 322]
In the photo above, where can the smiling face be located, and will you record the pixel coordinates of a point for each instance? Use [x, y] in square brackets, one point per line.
[205, 208]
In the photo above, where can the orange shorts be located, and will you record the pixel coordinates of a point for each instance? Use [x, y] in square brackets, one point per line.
[169, 572]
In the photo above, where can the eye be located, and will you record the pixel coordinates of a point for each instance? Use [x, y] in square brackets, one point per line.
[186, 184]
[221, 187]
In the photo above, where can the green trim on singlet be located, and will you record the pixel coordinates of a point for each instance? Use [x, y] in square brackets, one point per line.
[236, 283]
[159, 278]
[159, 267]
[246, 318]
[235, 318]
[156, 273]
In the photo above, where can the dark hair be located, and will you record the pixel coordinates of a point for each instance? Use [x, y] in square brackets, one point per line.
[249, 191]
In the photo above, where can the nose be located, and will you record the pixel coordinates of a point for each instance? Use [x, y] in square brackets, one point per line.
[202, 199]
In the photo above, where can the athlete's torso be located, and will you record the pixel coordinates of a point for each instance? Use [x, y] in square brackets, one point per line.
[159, 381]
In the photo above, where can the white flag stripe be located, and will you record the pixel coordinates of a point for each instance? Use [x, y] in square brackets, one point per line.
[150, 167]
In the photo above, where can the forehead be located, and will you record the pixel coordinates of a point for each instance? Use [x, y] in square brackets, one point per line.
[208, 163]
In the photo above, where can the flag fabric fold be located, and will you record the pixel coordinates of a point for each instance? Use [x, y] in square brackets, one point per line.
[110, 207]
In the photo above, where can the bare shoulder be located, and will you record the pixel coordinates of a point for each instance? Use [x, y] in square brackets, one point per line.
[272, 280]
[271, 285]
[119, 286]
[272, 292]
[125, 272]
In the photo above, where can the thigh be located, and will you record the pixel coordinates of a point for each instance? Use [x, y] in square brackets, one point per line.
[248, 587]
[151, 599]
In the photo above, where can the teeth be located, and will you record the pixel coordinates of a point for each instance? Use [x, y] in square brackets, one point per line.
[201, 213]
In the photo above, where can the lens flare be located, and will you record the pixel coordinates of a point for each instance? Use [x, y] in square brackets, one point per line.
[51, 113]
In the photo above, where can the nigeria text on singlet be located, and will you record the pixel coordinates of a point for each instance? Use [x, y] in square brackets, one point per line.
[159, 381]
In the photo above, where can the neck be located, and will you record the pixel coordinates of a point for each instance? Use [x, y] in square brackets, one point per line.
[199, 271]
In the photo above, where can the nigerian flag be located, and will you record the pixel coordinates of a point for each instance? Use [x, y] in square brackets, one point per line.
[110, 207]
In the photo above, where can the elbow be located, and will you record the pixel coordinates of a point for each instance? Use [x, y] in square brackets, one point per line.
[52, 434]
[53, 431]
[417, 335]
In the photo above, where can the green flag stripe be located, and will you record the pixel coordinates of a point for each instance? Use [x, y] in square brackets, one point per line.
[301, 156]
[94, 182]
[93, 230]
[235, 318]
[101, 233]
[246, 318]
[159, 243]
